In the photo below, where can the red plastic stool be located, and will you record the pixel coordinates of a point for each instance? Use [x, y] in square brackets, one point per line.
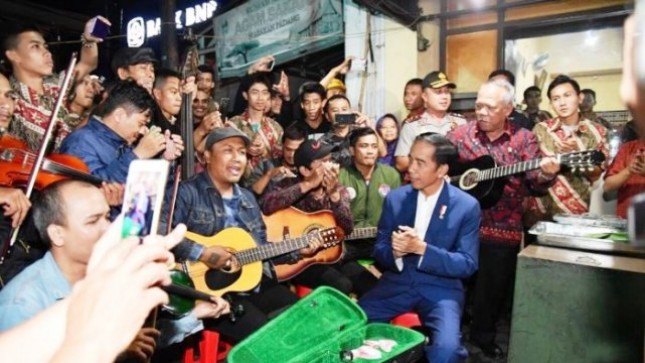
[302, 291]
[408, 320]
[211, 349]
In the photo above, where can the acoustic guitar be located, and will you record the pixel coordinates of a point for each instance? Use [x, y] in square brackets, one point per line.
[250, 256]
[484, 180]
[291, 222]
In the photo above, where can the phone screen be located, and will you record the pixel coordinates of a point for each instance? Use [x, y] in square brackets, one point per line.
[345, 118]
[101, 29]
[144, 193]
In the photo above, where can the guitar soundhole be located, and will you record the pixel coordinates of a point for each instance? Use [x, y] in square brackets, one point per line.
[469, 179]
[216, 279]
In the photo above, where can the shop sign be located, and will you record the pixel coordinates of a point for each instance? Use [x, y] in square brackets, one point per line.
[286, 29]
[139, 29]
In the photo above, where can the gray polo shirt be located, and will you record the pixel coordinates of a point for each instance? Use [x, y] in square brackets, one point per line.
[425, 124]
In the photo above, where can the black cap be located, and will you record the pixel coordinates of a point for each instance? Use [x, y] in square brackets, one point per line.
[437, 79]
[222, 133]
[130, 56]
[311, 150]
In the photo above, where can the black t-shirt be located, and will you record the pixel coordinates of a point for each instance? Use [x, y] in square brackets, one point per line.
[316, 133]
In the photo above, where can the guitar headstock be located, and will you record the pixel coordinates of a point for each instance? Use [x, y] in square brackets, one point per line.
[581, 160]
[330, 236]
[190, 61]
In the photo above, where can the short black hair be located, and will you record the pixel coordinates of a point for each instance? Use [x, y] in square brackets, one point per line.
[503, 72]
[162, 74]
[445, 151]
[10, 41]
[414, 82]
[532, 89]
[256, 78]
[313, 87]
[590, 92]
[206, 69]
[129, 95]
[294, 132]
[335, 97]
[562, 79]
[358, 133]
[48, 207]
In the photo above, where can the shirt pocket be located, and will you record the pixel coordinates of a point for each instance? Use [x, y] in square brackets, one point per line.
[202, 219]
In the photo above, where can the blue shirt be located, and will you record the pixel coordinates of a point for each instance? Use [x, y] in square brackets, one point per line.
[42, 284]
[33, 290]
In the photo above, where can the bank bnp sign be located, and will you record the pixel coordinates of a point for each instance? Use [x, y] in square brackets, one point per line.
[139, 29]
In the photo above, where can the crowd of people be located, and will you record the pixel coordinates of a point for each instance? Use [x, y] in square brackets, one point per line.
[278, 149]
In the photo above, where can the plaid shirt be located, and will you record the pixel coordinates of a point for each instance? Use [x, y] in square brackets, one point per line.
[502, 223]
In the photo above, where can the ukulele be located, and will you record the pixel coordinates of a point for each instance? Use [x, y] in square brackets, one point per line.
[484, 180]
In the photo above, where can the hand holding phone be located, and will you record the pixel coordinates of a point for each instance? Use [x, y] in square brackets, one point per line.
[97, 29]
[144, 191]
[345, 118]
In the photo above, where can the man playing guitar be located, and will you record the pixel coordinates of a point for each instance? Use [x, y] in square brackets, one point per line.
[501, 227]
[212, 201]
[316, 188]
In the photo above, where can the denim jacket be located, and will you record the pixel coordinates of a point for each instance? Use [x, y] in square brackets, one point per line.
[105, 153]
[199, 205]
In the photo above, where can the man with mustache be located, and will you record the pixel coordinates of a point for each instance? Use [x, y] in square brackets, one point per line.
[568, 132]
[212, 201]
[437, 96]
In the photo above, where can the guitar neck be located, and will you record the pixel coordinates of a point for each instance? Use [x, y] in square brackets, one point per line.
[271, 250]
[511, 169]
[360, 233]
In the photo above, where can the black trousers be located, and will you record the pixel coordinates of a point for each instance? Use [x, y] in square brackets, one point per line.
[259, 308]
[324, 275]
[494, 282]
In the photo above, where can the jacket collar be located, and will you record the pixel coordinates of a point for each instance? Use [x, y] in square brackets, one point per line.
[205, 183]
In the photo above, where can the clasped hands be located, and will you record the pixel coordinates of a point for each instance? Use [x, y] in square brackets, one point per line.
[406, 241]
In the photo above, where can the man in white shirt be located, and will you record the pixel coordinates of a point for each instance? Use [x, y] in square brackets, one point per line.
[427, 243]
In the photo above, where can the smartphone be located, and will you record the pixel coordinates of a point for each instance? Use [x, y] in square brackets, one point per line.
[270, 65]
[100, 29]
[636, 214]
[144, 193]
[345, 118]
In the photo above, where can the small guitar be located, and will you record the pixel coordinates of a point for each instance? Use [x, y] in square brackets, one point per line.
[483, 179]
[249, 256]
[294, 222]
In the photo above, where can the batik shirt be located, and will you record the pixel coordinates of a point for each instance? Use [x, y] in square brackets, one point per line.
[32, 113]
[571, 191]
[269, 133]
[501, 223]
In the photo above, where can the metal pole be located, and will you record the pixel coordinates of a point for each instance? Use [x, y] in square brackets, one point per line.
[169, 56]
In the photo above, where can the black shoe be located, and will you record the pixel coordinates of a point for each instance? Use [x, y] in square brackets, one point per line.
[491, 350]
